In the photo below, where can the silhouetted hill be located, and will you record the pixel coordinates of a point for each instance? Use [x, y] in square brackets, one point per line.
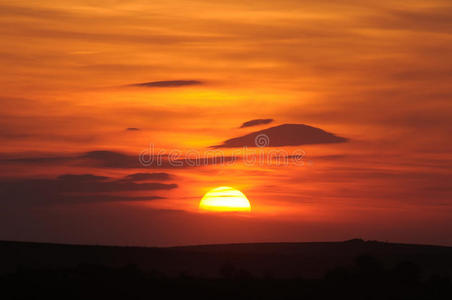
[276, 260]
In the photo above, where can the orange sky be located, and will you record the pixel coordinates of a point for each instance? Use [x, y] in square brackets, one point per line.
[375, 72]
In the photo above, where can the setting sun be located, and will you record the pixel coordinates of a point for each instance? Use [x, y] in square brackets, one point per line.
[225, 198]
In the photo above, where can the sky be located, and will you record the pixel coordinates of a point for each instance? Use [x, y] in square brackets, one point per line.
[332, 117]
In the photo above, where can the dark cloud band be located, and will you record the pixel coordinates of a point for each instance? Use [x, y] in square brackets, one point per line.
[71, 188]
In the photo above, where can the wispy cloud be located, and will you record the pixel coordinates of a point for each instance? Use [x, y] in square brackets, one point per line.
[256, 122]
[149, 176]
[166, 84]
[119, 160]
[70, 188]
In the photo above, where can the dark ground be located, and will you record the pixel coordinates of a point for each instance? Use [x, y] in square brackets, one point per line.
[337, 270]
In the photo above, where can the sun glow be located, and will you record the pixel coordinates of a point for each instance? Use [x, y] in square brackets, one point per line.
[225, 198]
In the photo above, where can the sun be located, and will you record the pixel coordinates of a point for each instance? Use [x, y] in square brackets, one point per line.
[225, 198]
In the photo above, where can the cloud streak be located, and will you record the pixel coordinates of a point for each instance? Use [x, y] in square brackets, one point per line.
[120, 160]
[166, 84]
[149, 176]
[256, 122]
[72, 188]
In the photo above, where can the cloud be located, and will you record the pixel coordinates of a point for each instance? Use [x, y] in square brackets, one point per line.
[111, 159]
[256, 122]
[148, 176]
[38, 160]
[165, 84]
[82, 178]
[133, 129]
[108, 159]
[432, 19]
[283, 135]
[70, 188]
[119, 160]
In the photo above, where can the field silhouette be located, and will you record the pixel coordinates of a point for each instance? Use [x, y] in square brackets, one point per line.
[353, 269]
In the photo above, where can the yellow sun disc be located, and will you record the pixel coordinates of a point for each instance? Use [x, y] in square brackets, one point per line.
[225, 198]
